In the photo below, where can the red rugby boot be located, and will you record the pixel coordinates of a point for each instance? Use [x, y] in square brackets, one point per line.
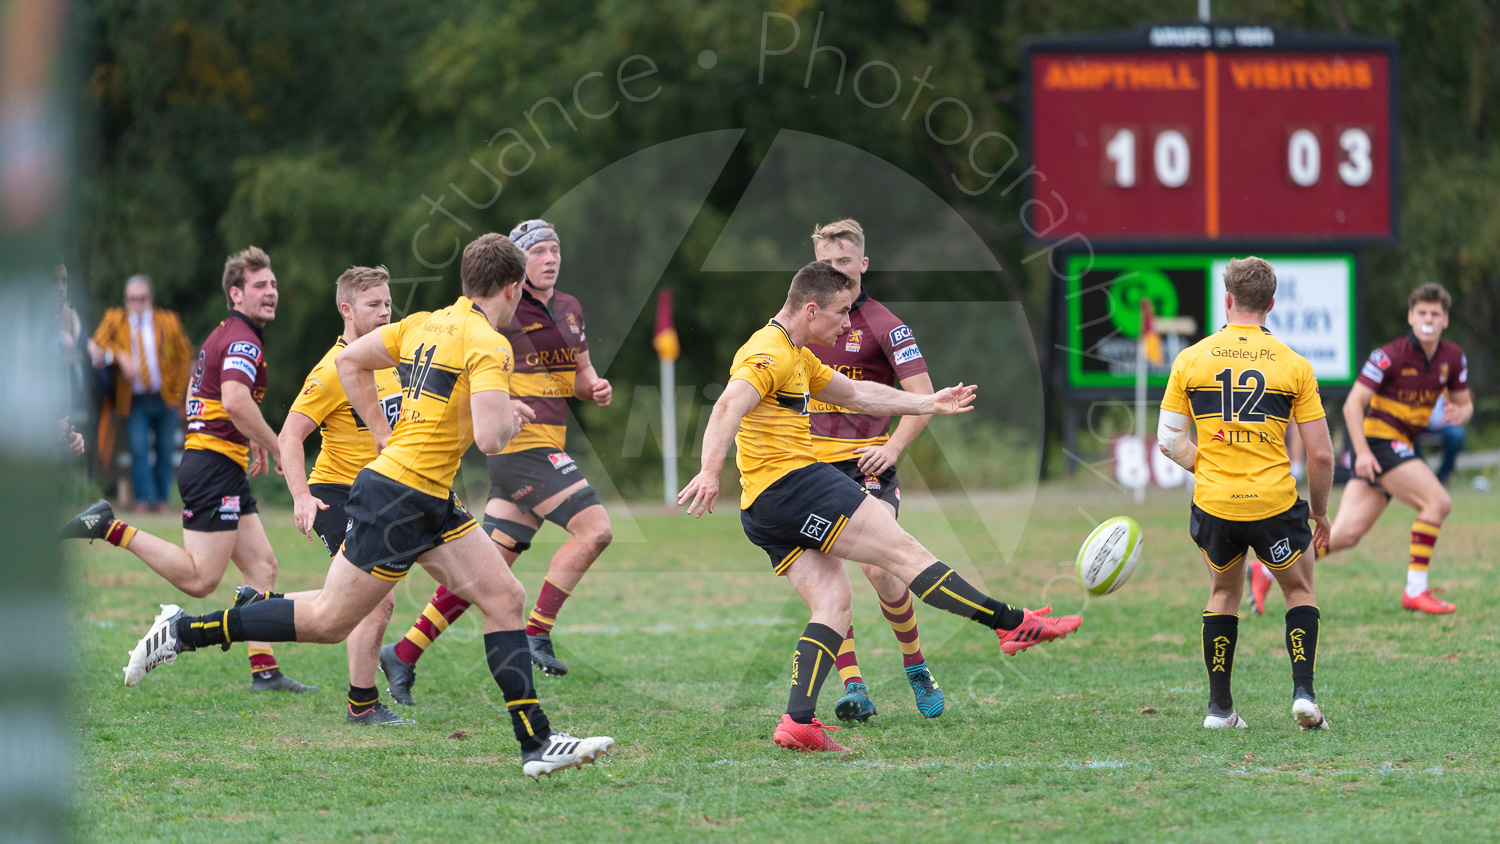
[809, 737]
[1427, 602]
[1037, 626]
[1260, 585]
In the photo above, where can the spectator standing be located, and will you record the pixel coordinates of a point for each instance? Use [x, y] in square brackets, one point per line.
[152, 357]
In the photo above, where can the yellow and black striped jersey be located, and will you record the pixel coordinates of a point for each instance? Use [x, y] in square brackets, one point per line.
[775, 437]
[444, 356]
[1242, 386]
[347, 444]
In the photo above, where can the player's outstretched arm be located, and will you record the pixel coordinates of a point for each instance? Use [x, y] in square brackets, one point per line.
[880, 400]
[293, 457]
[1365, 465]
[1319, 476]
[356, 365]
[739, 398]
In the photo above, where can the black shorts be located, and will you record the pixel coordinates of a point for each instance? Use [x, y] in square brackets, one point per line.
[1278, 541]
[1388, 453]
[527, 478]
[215, 491]
[884, 486]
[389, 524]
[331, 524]
[806, 508]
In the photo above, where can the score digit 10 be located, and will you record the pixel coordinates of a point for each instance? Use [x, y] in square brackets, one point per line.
[1172, 164]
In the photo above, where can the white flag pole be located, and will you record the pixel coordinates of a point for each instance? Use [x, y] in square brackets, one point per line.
[669, 432]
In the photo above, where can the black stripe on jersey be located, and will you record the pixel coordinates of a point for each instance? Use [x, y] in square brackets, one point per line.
[438, 381]
[795, 402]
[1208, 401]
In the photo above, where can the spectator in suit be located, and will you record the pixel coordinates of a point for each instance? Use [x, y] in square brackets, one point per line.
[152, 357]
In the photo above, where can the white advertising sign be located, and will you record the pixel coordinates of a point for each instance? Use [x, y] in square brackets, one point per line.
[1314, 311]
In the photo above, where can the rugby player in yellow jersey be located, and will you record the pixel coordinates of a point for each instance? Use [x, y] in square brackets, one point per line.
[808, 516]
[1240, 389]
[877, 347]
[455, 370]
[1398, 386]
[363, 296]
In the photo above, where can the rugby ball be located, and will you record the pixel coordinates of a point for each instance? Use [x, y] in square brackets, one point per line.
[1109, 556]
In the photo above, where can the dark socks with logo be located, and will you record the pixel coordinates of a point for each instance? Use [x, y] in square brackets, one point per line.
[815, 656]
[510, 664]
[1220, 632]
[1302, 647]
[942, 587]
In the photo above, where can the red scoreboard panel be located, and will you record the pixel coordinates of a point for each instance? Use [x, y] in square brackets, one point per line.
[1216, 134]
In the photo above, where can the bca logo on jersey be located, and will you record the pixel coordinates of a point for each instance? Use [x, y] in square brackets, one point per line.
[816, 527]
[243, 347]
[1281, 551]
[900, 334]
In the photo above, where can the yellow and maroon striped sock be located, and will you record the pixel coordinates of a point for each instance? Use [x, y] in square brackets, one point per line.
[846, 662]
[119, 534]
[903, 621]
[443, 610]
[548, 604]
[1423, 537]
[261, 659]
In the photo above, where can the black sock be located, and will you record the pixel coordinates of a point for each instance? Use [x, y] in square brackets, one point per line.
[942, 587]
[510, 664]
[1302, 647]
[272, 620]
[200, 631]
[1220, 632]
[362, 699]
[813, 659]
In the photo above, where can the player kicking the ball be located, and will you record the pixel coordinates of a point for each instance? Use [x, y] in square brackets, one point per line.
[808, 516]
[1240, 388]
[1399, 384]
[455, 369]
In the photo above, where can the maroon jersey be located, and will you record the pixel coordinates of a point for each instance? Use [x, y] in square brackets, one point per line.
[878, 347]
[234, 351]
[1407, 384]
[547, 340]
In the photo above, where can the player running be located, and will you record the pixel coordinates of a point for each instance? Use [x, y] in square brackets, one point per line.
[1239, 389]
[877, 347]
[455, 368]
[1398, 385]
[532, 478]
[363, 295]
[228, 441]
[808, 516]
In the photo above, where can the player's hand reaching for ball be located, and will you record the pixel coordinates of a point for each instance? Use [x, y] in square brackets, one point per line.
[951, 400]
[703, 490]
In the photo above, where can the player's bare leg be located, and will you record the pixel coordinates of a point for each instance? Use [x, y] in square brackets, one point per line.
[1414, 485]
[589, 533]
[823, 584]
[873, 536]
[1359, 508]
[197, 568]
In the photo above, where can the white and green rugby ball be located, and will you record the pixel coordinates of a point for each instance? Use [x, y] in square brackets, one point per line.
[1109, 556]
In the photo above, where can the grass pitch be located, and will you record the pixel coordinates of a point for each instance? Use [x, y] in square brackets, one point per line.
[679, 643]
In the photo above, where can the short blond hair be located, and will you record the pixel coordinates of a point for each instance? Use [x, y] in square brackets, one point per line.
[1252, 282]
[357, 280]
[247, 260]
[847, 230]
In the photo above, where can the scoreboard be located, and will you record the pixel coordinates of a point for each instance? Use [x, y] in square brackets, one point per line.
[1209, 135]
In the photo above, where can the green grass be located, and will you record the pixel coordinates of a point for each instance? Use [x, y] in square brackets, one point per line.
[680, 641]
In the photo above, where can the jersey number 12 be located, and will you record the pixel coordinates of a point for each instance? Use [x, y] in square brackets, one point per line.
[1249, 410]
